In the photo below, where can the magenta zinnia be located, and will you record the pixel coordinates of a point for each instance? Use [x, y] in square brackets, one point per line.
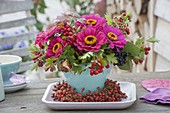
[115, 37]
[90, 40]
[43, 36]
[91, 20]
[55, 47]
[50, 32]
[94, 20]
[40, 38]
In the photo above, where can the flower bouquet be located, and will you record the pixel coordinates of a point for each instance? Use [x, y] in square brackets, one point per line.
[85, 47]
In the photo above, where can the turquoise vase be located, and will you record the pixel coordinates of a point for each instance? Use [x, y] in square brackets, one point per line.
[85, 80]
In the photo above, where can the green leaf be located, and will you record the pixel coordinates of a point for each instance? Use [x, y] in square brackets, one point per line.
[152, 40]
[104, 62]
[35, 66]
[139, 41]
[32, 56]
[100, 54]
[39, 26]
[78, 29]
[34, 48]
[48, 19]
[41, 10]
[127, 66]
[50, 60]
[68, 54]
[111, 58]
[86, 55]
[84, 61]
[75, 64]
[108, 19]
[131, 48]
[77, 69]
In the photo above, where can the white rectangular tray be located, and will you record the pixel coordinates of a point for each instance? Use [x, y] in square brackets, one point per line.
[126, 87]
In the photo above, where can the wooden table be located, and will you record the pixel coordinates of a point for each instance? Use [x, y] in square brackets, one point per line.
[28, 100]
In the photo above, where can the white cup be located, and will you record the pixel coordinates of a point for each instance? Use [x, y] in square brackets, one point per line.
[2, 94]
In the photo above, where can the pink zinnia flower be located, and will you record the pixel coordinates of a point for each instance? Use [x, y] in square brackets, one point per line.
[94, 20]
[90, 40]
[43, 36]
[40, 38]
[50, 32]
[55, 47]
[115, 37]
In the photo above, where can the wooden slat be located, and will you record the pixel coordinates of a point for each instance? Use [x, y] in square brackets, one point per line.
[131, 10]
[162, 9]
[162, 64]
[152, 25]
[15, 23]
[162, 34]
[17, 38]
[25, 66]
[11, 6]
[18, 51]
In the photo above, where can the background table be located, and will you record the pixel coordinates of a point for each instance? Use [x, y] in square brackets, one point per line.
[28, 100]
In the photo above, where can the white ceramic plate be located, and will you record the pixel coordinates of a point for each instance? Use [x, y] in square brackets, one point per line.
[16, 80]
[126, 87]
[15, 88]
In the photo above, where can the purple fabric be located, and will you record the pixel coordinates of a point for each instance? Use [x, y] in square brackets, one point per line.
[152, 84]
[157, 96]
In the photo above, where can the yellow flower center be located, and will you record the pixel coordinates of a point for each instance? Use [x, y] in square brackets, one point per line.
[112, 36]
[91, 21]
[56, 47]
[90, 40]
[59, 24]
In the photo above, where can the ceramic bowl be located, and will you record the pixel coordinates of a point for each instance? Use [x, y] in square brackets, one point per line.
[9, 66]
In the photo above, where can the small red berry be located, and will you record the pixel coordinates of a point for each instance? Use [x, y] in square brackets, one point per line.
[94, 64]
[82, 90]
[146, 52]
[136, 62]
[132, 57]
[148, 48]
[90, 67]
[120, 19]
[107, 66]
[70, 33]
[101, 66]
[99, 60]
[91, 72]
[40, 64]
[145, 49]
[96, 72]
[98, 88]
[141, 60]
[99, 70]
[127, 31]
[124, 13]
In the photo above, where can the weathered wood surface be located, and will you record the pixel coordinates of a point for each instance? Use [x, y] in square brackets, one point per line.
[151, 58]
[162, 34]
[19, 51]
[162, 9]
[17, 38]
[11, 6]
[162, 64]
[20, 22]
[28, 100]
[25, 66]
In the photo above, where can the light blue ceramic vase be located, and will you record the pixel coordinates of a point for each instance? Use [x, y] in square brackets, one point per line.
[2, 94]
[85, 80]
